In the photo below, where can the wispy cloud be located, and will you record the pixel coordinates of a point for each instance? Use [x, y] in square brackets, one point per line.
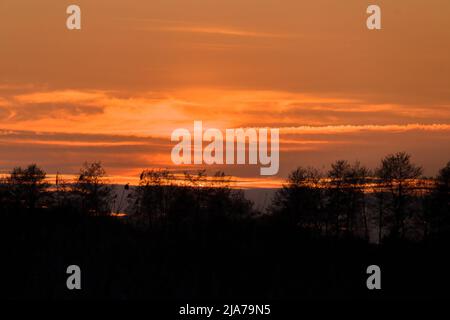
[161, 25]
[61, 96]
[344, 129]
[224, 31]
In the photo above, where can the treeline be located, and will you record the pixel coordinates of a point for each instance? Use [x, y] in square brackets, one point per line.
[391, 201]
[160, 194]
[27, 189]
[193, 236]
[350, 199]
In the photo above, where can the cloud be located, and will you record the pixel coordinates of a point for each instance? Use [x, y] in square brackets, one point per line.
[62, 96]
[195, 28]
[33, 112]
[65, 152]
[346, 129]
[224, 31]
[159, 113]
[130, 131]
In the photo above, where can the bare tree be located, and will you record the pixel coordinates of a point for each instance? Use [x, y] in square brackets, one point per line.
[358, 178]
[152, 197]
[437, 204]
[398, 176]
[380, 207]
[93, 189]
[338, 204]
[346, 201]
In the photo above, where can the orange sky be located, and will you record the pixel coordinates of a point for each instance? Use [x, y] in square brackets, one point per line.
[137, 70]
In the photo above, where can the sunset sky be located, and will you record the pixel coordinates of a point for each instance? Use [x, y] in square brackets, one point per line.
[115, 90]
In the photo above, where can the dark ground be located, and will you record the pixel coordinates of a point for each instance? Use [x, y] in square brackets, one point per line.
[254, 258]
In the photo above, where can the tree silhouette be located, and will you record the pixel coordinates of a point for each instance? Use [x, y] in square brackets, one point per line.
[300, 201]
[28, 186]
[339, 205]
[346, 202]
[92, 189]
[358, 178]
[398, 176]
[437, 204]
[5, 194]
[380, 208]
[162, 198]
[153, 197]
